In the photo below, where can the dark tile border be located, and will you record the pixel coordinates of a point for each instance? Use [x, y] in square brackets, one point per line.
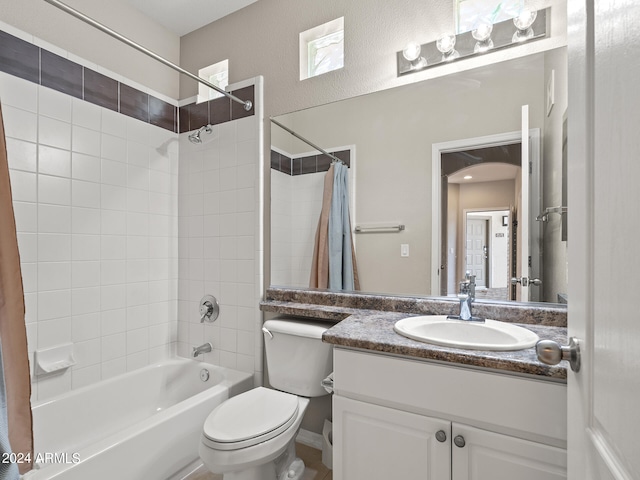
[216, 111]
[30, 62]
[308, 164]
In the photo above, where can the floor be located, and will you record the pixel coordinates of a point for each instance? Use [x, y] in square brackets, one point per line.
[312, 458]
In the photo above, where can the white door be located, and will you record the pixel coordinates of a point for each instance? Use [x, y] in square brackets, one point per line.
[378, 443]
[604, 198]
[482, 455]
[476, 253]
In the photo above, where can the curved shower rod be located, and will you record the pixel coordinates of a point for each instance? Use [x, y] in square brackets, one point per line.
[248, 105]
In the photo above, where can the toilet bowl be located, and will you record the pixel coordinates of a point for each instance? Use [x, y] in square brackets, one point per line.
[248, 443]
[252, 436]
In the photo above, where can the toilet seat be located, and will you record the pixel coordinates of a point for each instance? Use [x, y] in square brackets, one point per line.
[250, 418]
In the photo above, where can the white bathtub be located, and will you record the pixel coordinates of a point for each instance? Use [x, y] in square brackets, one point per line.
[145, 424]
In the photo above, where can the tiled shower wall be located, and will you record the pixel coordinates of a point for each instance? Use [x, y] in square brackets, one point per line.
[220, 249]
[95, 197]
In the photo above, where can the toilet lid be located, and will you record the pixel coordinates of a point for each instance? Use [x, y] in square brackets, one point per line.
[250, 418]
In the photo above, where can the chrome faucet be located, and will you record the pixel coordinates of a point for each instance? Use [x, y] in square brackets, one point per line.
[467, 296]
[204, 348]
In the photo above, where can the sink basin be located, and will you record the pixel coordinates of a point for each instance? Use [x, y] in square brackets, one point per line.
[490, 335]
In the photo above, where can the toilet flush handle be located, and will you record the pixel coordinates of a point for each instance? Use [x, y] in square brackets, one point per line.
[267, 332]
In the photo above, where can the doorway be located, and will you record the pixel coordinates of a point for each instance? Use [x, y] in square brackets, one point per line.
[459, 158]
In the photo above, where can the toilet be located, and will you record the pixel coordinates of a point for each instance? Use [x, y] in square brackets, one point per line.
[252, 436]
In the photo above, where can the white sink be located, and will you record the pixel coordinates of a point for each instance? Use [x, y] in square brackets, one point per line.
[487, 335]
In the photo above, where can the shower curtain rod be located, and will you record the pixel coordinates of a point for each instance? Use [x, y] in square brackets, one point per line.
[300, 137]
[72, 11]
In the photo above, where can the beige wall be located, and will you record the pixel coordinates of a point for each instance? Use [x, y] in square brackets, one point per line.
[48, 23]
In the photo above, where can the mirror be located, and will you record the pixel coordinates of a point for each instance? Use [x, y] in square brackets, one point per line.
[409, 149]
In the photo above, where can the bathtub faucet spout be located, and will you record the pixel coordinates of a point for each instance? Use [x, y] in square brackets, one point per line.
[204, 348]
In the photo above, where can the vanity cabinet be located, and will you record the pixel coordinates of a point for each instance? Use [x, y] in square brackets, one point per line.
[400, 418]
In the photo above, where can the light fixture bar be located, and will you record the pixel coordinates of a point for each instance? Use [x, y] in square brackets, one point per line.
[503, 35]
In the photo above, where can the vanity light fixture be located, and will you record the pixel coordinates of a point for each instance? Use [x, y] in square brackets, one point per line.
[468, 177]
[485, 38]
[446, 44]
[411, 53]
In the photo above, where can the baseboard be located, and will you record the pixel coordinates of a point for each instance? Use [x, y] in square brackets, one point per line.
[310, 439]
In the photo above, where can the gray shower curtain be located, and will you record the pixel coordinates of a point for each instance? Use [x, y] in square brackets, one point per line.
[15, 389]
[334, 262]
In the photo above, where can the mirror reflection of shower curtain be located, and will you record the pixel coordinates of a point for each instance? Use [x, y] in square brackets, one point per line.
[15, 405]
[334, 263]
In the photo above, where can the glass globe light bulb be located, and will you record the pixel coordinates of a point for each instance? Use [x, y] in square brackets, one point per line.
[446, 43]
[482, 33]
[525, 19]
[412, 51]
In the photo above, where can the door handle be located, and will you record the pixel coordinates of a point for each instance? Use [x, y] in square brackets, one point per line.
[526, 281]
[552, 353]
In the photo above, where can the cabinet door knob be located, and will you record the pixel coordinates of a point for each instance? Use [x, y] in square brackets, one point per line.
[441, 436]
[459, 441]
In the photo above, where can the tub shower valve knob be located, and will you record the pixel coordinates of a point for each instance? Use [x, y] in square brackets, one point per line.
[209, 309]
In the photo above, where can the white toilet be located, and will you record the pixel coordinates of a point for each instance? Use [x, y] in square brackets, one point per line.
[252, 436]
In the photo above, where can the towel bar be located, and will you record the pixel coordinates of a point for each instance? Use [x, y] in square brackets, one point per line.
[379, 229]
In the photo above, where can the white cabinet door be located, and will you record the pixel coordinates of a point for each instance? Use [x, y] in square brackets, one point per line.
[491, 456]
[378, 443]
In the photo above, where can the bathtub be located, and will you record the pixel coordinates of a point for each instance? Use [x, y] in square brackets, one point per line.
[144, 424]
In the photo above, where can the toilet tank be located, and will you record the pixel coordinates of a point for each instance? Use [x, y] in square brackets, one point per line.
[296, 357]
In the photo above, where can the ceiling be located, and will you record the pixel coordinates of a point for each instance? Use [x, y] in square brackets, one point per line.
[485, 172]
[185, 16]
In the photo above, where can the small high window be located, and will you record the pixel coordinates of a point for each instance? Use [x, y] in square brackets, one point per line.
[218, 74]
[470, 13]
[322, 49]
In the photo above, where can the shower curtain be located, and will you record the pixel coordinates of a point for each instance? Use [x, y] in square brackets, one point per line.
[15, 384]
[334, 262]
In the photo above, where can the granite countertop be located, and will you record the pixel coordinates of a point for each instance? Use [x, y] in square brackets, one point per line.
[374, 331]
[365, 321]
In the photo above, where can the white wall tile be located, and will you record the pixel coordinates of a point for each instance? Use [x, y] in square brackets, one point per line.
[85, 247]
[17, 92]
[85, 274]
[86, 141]
[85, 194]
[26, 216]
[54, 104]
[53, 332]
[23, 186]
[54, 219]
[85, 220]
[113, 197]
[54, 247]
[114, 123]
[114, 148]
[54, 190]
[113, 346]
[21, 155]
[113, 321]
[54, 161]
[20, 124]
[54, 276]
[54, 133]
[28, 247]
[86, 114]
[114, 173]
[85, 327]
[85, 167]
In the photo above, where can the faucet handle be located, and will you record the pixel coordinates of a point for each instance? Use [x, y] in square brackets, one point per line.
[209, 309]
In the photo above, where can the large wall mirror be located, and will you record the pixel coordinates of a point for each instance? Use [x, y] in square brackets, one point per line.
[471, 164]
